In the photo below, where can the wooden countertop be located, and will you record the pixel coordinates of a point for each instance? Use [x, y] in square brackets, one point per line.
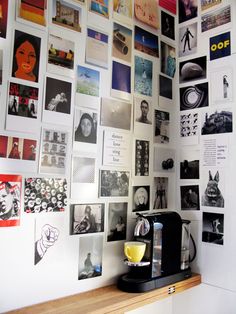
[107, 300]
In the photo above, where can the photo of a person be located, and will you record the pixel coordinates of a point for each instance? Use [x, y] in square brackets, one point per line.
[160, 193]
[144, 108]
[26, 56]
[87, 224]
[141, 196]
[86, 130]
[9, 200]
[186, 39]
[168, 59]
[14, 153]
[117, 221]
[114, 183]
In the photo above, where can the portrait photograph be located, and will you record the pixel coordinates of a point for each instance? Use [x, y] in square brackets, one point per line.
[192, 70]
[188, 9]
[143, 76]
[83, 169]
[146, 42]
[87, 81]
[189, 164]
[146, 11]
[90, 256]
[215, 18]
[188, 40]
[167, 25]
[217, 121]
[99, 7]
[193, 97]
[213, 228]
[189, 197]
[143, 110]
[122, 42]
[123, 10]
[85, 126]
[33, 11]
[121, 81]
[86, 218]
[168, 59]
[114, 183]
[141, 198]
[26, 56]
[117, 221]
[142, 158]
[161, 127]
[165, 87]
[160, 193]
[189, 124]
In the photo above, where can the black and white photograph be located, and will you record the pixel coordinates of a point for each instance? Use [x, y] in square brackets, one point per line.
[213, 228]
[143, 110]
[213, 187]
[192, 69]
[83, 169]
[117, 221]
[90, 256]
[168, 59]
[217, 121]
[189, 197]
[115, 114]
[160, 193]
[164, 160]
[114, 183]
[188, 40]
[193, 97]
[189, 164]
[161, 127]
[86, 218]
[221, 85]
[54, 148]
[141, 158]
[167, 25]
[189, 124]
[141, 198]
[188, 9]
[85, 126]
[165, 87]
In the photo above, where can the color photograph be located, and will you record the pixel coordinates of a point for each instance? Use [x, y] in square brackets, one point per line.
[121, 80]
[143, 76]
[122, 10]
[33, 11]
[3, 19]
[146, 11]
[168, 59]
[160, 193]
[100, 7]
[122, 42]
[88, 81]
[205, 4]
[146, 42]
[169, 5]
[216, 18]
[188, 9]
[117, 221]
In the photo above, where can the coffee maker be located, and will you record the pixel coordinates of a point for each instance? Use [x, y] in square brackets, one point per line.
[161, 264]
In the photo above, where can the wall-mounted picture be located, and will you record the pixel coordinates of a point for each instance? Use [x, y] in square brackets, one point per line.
[189, 124]
[164, 159]
[143, 110]
[54, 147]
[10, 200]
[85, 126]
[187, 10]
[115, 114]
[168, 59]
[160, 193]
[165, 87]
[220, 46]
[114, 183]
[86, 218]
[33, 11]
[217, 121]
[88, 81]
[26, 56]
[192, 70]
[100, 7]
[43, 195]
[96, 52]
[3, 20]
[194, 96]
[142, 158]
[213, 228]
[167, 25]
[143, 76]
[188, 40]
[161, 127]
[169, 5]
[90, 256]
[117, 221]
[189, 197]
[83, 169]
[216, 18]
[189, 164]
[66, 15]
[146, 11]
[123, 10]
[213, 188]
[146, 42]
[209, 4]
[141, 198]
[221, 83]
[121, 80]
[122, 42]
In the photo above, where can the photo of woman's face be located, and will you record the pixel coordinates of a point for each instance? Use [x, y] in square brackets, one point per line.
[86, 127]
[25, 58]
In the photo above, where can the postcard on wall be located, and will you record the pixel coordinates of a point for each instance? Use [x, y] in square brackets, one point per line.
[115, 114]
[193, 97]
[143, 76]
[99, 7]
[114, 183]
[143, 114]
[205, 5]
[161, 127]
[187, 10]
[192, 70]
[66, 15]
[60, 55]
[10, 200]
[23, 108]
[213, 187]
[96, 52]
[189, 128]
[3, 20]
[21, 67]
[121, 81]
[165, 87]
[167, 25]
[146, 42]
[189, 197]
[213, 228]
[122, 42]
[164, 160]
[217, 121]
[43, 195]
[215, 151]
[83, 170]
[221, 83]
[188, 40]
[86, 218]
[123, 11]
[54, 151]
[88, 81]
[90, 257]
[58, 101]
[160, 192]
[216, 18]
[169, 5]
[141, 198]
[189, 164]
[220, 46]
[116, 149]
[146, 11]
[117, 221]
[168, 59]
[33, 11]
[142, 158]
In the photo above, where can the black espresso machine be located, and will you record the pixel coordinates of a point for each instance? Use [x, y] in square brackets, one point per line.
[161, 264]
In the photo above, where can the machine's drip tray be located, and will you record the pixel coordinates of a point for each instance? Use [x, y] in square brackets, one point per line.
[139, 264]
[130, 284]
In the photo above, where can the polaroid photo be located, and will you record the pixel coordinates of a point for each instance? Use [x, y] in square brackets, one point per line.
[117, 221]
